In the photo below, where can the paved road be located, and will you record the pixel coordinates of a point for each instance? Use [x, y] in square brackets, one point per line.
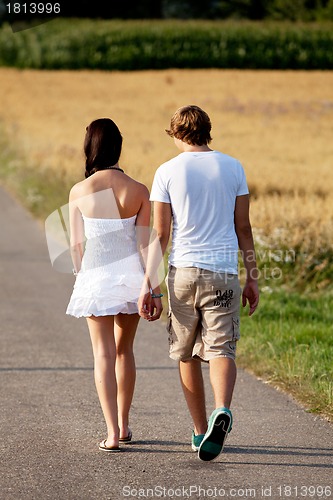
[51, 421]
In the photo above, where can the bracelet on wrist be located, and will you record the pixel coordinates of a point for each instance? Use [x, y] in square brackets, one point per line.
[156, 295]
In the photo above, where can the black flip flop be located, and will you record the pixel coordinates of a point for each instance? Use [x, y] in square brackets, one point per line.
[126, 439]
[110, 449]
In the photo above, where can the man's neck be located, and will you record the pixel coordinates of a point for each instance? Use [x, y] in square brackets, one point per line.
[194, 148]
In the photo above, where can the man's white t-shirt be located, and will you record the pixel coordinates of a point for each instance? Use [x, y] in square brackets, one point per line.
[202, 188]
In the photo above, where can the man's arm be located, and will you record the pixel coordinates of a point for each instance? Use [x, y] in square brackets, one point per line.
[246, 245]
[162, 223]
[150, 308]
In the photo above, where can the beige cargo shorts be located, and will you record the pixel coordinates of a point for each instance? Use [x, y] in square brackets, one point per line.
[203, 317]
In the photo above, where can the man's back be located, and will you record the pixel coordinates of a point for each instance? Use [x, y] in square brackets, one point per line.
[202, 188]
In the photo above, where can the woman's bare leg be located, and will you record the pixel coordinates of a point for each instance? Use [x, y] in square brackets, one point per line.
[124, 331]
[101, 330]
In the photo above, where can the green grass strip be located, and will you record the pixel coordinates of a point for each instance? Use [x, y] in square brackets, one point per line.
[289, 342]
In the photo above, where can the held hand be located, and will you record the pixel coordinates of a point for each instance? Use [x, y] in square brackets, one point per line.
[150, 308]
[251, 295]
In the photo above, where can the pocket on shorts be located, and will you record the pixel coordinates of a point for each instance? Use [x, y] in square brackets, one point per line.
[169, 328]
[235, 329]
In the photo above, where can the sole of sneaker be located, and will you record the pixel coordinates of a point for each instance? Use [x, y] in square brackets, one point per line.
[213, 442]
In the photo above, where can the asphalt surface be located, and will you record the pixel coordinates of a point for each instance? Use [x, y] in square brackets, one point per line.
[51, 421]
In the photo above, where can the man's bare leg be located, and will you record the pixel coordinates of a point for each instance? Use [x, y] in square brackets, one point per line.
[223, 374]
[193, 387]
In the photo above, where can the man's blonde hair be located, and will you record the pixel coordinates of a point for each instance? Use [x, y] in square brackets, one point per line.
[191, 124]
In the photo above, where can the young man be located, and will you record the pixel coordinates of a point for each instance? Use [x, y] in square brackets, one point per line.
[204, 194]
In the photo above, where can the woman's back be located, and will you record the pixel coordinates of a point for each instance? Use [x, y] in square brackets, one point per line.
[111, 246]
[110, 194]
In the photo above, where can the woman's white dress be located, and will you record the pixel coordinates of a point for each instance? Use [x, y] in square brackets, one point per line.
[111, 274]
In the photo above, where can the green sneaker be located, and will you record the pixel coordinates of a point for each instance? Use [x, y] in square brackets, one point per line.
[219, 425]
[196, 441]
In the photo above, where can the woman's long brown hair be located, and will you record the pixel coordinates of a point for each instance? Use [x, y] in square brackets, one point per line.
[102, 145]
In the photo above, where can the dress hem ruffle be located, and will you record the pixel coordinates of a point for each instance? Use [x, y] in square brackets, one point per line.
[83, 307]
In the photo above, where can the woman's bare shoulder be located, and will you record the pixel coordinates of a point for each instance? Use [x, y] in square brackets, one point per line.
[141, 188]
[77, 190]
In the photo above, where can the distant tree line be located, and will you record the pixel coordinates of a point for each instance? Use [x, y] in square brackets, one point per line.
[294, 10]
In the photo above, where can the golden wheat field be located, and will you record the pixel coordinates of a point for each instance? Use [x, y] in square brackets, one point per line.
[278, 124]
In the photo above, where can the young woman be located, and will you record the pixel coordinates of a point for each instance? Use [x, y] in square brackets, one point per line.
[109, 231]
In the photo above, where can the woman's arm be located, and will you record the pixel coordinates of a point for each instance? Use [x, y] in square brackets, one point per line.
[76, 230]
[143, 226]
[150, 308]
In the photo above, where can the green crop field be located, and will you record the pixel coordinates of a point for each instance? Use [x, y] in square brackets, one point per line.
[138, 45]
